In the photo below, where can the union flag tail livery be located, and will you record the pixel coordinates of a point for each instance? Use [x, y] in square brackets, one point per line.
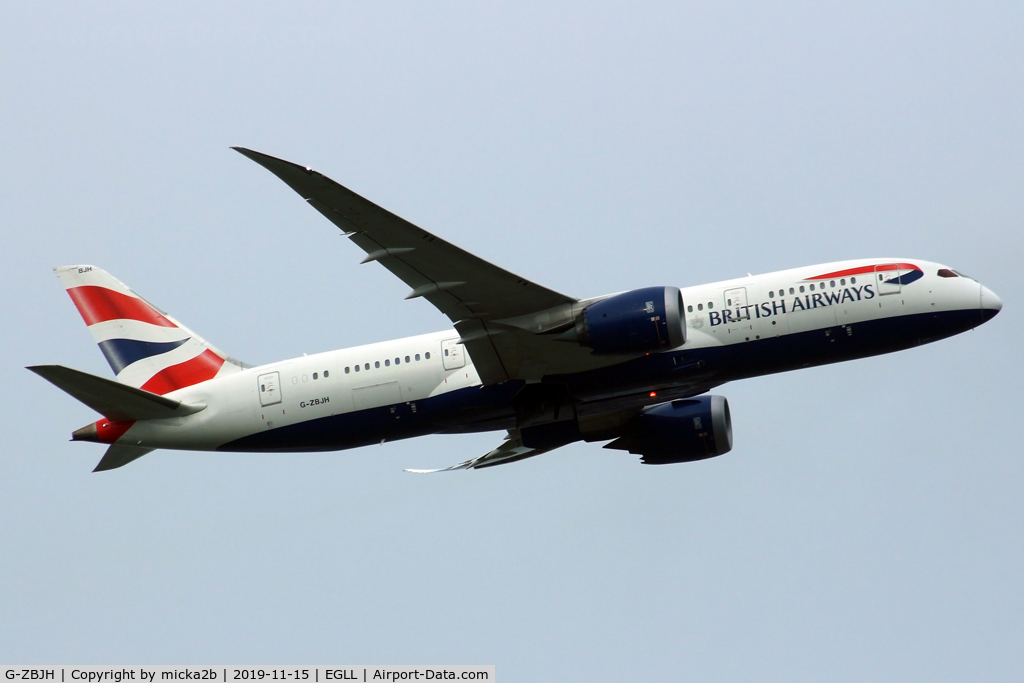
[631, 369]
[145, 347]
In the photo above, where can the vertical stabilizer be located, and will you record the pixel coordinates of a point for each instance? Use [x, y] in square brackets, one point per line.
[145, 347]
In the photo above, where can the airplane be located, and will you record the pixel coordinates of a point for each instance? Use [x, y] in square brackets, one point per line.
[631, 369]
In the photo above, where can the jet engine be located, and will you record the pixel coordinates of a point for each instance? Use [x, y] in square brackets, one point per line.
[681, 431]
[638, 321]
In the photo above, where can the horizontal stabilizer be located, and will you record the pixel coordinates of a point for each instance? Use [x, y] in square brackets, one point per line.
[112, 399]
[119, 456]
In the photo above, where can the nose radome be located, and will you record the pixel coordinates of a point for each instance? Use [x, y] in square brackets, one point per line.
[990, 303]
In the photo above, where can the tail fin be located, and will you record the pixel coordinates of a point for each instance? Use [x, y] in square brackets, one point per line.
[146, 348]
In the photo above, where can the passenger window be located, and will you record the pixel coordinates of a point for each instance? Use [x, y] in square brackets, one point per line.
[357, 368]
[791, 290]
[689, 309]
[376, 363]
[801, 289]
[347, 368]
[710, 305]
[387, 363]
[771, 294]
[812, 288]
[366, 366]
[315, 375]
[842, 282]
[427, 355]
[397, 361]
[407, 359]
[700, 307]
[853, 280]
[417, 356]
[832, 283]
[325, 374]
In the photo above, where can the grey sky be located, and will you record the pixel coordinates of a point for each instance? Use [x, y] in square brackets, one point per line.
[867, 525]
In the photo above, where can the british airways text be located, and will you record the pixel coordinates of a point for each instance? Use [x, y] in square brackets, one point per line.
[801, 302]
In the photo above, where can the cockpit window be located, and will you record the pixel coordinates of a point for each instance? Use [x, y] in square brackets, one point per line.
[962, 274]
[946, 272]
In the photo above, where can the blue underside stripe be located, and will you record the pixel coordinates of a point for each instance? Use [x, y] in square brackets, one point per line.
[717, 365]
[121, 353]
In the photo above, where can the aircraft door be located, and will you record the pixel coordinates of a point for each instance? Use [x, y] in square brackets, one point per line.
[887, 278]
[736, 297]
[738, 317]
[453, 354]
[270, 388]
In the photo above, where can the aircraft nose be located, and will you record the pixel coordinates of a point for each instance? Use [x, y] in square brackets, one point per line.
[990, 303]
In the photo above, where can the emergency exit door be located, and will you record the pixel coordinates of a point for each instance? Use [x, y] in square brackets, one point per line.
[453, 354]
[736, 316]
[270, 388]
[887, 278]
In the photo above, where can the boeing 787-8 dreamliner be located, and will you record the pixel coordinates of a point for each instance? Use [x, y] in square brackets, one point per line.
[632, 369]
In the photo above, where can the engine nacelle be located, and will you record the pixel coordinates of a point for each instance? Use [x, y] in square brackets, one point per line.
[681, 431]
[642, 320]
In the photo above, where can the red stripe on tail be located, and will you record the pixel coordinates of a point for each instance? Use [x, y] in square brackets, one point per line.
[99, 304]
[201, 368]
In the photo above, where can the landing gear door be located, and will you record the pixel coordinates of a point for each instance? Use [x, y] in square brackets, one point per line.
[270, 388]
[453, 354]
[887, 278]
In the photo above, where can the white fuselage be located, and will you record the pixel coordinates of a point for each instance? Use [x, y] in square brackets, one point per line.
[412, 371]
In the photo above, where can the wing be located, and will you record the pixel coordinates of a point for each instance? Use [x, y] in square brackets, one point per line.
[459, 284]
[497, 313]
[512, 450]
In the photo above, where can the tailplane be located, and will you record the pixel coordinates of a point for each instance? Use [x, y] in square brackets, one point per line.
[121, 405]
[113, 400]
[145, 347]
[119, 456]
